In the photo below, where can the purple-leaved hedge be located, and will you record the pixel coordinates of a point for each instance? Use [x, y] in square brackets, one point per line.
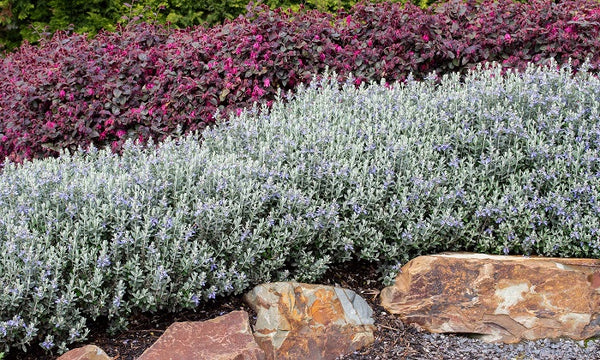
[144, 80]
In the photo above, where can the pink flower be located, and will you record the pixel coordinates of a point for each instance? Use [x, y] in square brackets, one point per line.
[4, 138]
[90, 92]
[61, 94]
[322, 57]
[256, 46]
[348, 19]
[266, 82]
[257, 91]
[109, 122]
[569, 29]
[369, 43]
[50, 124]
[426, 37]
[507, 37]
[238, 111]
[121, 133]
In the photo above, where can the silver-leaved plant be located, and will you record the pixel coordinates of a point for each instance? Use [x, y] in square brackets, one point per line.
[490, 162]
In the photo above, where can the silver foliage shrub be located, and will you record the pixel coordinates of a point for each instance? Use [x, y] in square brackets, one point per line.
[490, 163]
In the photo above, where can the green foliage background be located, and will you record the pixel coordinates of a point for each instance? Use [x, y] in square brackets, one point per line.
[34, 19]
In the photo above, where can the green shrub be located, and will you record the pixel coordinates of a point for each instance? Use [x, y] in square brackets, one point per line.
[31, 20]
[495, 164]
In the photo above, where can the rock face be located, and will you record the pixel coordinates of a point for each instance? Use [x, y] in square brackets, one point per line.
[88, 352]
[227, 337]
[502, 298]
[302, 321]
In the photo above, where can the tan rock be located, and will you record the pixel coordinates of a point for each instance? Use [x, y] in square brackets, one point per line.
[223, 338]
[88, 352]
[302, 321]
[503, 298]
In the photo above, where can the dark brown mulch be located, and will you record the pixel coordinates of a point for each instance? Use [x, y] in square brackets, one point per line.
[392, 337]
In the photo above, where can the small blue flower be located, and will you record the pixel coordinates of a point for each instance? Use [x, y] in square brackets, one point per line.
[454, 162]
[116, 301]
[484, 160]
[103, 261]
[74, 334]
[48, 344]
[162, 273]
[245, 235]
[195, 299]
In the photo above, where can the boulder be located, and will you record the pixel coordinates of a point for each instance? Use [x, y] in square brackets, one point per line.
[88, 352]
[302, 321]
[223, 338]
[499, 298]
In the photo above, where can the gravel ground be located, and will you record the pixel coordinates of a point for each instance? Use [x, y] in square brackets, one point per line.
[393, 339]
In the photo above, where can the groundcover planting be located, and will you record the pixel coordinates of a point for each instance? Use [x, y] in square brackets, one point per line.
[144, 81]
[491, 163]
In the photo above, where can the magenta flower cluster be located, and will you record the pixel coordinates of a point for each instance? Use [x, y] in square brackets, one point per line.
[144, 81]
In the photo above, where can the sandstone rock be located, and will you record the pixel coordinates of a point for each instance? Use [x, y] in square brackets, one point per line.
[302, 321]
[225, 337]
[502, 298]
[88, 352]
